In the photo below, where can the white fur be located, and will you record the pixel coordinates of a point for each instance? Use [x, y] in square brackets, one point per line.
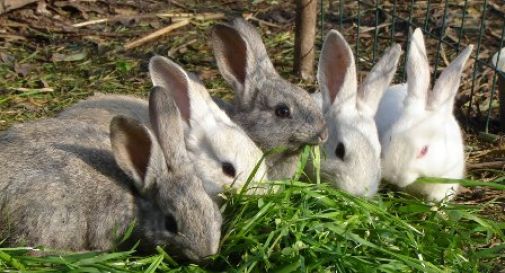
[211, 137]
[349, 114]
[410, 117]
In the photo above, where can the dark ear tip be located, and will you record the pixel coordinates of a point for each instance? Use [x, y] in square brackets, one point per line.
[222, 28]
[118, 122]
[155, 59]
[160, 101]
[156, 91]
[122, 123]
[160, 97]
[238, 19]
[161, 61]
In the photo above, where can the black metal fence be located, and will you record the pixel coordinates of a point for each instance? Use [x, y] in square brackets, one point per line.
[449, 26]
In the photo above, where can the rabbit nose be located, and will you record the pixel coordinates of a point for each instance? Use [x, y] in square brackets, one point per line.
[323, 135]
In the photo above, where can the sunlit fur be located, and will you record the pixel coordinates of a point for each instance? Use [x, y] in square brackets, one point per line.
[410, 118]
[211, 137]
[349, 114]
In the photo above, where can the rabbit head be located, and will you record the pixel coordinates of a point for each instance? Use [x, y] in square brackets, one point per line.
[425, 139]
[220, 150]
[273, 112]
[177, 211]
[352, 152]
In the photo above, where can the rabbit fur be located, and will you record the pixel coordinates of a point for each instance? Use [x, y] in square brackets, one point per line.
[214, 143]
[75, 184]
[221, 151]
[273, 112]
[419, 134]
[351, 156]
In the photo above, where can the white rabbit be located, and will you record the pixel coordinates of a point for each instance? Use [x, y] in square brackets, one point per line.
[215, 144]
[419, 134]
[352, 152]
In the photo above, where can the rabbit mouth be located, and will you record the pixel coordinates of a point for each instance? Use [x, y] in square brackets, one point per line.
[180, 248]
[314, 138]
[298, 143]
[294, 146]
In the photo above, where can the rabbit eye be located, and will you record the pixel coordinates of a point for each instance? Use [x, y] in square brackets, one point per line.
[282, 111]
[423, 151]
[228, 169]
[170, 224]
[340, 151]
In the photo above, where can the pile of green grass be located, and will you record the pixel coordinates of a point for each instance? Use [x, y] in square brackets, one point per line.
[310, 227]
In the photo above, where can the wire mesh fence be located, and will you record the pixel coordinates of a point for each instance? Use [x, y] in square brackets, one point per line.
[448, 26]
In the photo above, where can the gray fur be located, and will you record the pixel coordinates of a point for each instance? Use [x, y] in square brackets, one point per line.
[244, 63]
[61, 186]
[99, 106]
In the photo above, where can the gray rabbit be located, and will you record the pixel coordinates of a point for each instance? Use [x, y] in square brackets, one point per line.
[273, 112]
[74, 184]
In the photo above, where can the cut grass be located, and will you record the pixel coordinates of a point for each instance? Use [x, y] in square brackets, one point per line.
[308, 227]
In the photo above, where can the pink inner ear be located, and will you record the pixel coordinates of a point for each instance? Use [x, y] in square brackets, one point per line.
[181, 97]
[234, 51]
[335, 65]
[423, 152]
[177, 85]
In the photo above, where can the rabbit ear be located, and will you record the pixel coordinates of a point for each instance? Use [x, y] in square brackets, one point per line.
[166, 123]
[378, 80]
[418, 73]
[337, 73]
[135, 150]
[256, 45]
[447, 84]
[171, 77]
[235, 61]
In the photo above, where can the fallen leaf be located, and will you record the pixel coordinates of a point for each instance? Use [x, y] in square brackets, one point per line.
[6, 58]
[128, 22]
[155, 24]
[22, 69]
[57, 57]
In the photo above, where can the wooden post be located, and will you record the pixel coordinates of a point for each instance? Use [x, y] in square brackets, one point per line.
[305, 32]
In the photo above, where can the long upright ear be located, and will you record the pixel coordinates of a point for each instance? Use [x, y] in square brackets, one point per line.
[418, 73]
[257, 47]
[136, 151]
[447, 85]
[337, 73]
[171, 77]
[379, 78]
[235, 61]
[167, 126]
